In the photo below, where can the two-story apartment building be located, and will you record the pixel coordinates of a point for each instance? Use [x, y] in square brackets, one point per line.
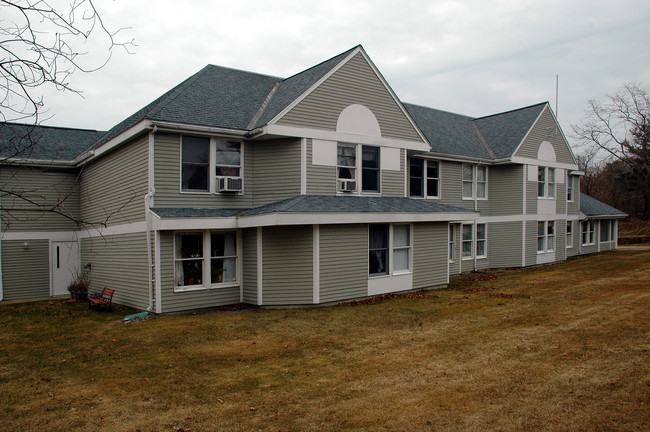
[318, 188]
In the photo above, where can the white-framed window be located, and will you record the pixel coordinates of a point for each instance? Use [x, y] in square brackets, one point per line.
[473, 241]
[481, 240]
[545, 182]
[389, 249]
[569, 234]
[588, 237]
[204, 259]
[467, 241]
[195, 164]
[605, 230]
[424, 178]
[205, 161]
[346, 162]
[545, 236]
[452, 242]
[370, 169]
[475, 178]
[569, 187]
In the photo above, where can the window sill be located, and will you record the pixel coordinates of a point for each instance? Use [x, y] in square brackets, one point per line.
[402, 272]
[378, 276]
[482, 257]
[187, 192]
[190, 288]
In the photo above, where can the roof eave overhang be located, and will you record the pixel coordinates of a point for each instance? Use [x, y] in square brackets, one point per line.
[44, 163]
[311, 218]
[461, 158]
[604, 216]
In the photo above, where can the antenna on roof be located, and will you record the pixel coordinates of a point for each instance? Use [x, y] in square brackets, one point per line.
[557, 81]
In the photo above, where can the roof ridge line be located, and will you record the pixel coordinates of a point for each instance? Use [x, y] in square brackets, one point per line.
[510, 111]
[439, 110]
[320, 63]
[265, 104]
[483, 141]
[177, 91]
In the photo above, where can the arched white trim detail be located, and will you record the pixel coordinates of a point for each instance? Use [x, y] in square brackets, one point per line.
[359, 120]
[546, 152]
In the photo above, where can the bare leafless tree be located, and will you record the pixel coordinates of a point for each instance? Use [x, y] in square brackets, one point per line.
[619, 129]
[42, 44]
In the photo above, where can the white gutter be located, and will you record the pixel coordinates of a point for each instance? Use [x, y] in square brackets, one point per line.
[164, 126]
[447, 157]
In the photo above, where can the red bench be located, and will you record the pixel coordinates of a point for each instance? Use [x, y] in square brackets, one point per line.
[103, 299]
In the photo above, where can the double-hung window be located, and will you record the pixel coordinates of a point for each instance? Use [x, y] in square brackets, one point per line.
[545, 236]
[569, 234]
[204, 259]
[605, 230]
[424, 178]
[569, 187]
[545, 182]
[370, 169]
[473, 241]
[195, 164]
[474, 181]
[346, 162]
[481, 240]
[588, 237]
[389, 249]
[206, 162]
[452, 242]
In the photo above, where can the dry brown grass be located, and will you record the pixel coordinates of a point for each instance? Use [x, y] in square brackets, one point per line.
[565, 347]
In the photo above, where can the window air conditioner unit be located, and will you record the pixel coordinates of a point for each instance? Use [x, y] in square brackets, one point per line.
[347, 185]
[230, 184]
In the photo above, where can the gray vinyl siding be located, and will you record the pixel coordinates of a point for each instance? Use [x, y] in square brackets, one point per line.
[167, 169]
[25, 272]
[343, 262]
[574, 206]
[277, 171]
[575, 250]
[287, 265]
[531, 243]
[249, 266]
[430, 254]
[119, 262]
[113, 187]
[187, 300]
[504, 244]
[560, 240]
[44, 187]
[392, 182]
[354, 83]
[321, 180]
[451, 185]
[505, 191]
[531, 194]
[560, 198]
[540, 133]
[454, 265]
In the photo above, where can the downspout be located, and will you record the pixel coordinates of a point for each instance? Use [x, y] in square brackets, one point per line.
[148, 201]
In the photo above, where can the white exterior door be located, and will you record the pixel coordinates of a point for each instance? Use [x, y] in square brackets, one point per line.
[65, 263]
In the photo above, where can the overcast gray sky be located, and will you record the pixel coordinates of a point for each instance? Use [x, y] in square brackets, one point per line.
[469, 57]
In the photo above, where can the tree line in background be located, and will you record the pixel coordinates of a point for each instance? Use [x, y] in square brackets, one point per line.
[615, 143]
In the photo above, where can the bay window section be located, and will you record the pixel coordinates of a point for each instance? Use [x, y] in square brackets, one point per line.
[378, 250]
[204, 259]
[195, 156]
[370, 169]
[545, 236]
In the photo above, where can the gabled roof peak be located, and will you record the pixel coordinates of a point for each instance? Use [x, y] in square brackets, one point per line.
[511, 111]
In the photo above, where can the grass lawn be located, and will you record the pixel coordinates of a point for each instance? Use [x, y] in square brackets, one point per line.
[564, 347]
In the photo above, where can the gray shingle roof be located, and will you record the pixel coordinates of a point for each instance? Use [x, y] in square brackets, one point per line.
[321, 204]
[26, 141]
[592, 207]
[167, 212]
[457, 134]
